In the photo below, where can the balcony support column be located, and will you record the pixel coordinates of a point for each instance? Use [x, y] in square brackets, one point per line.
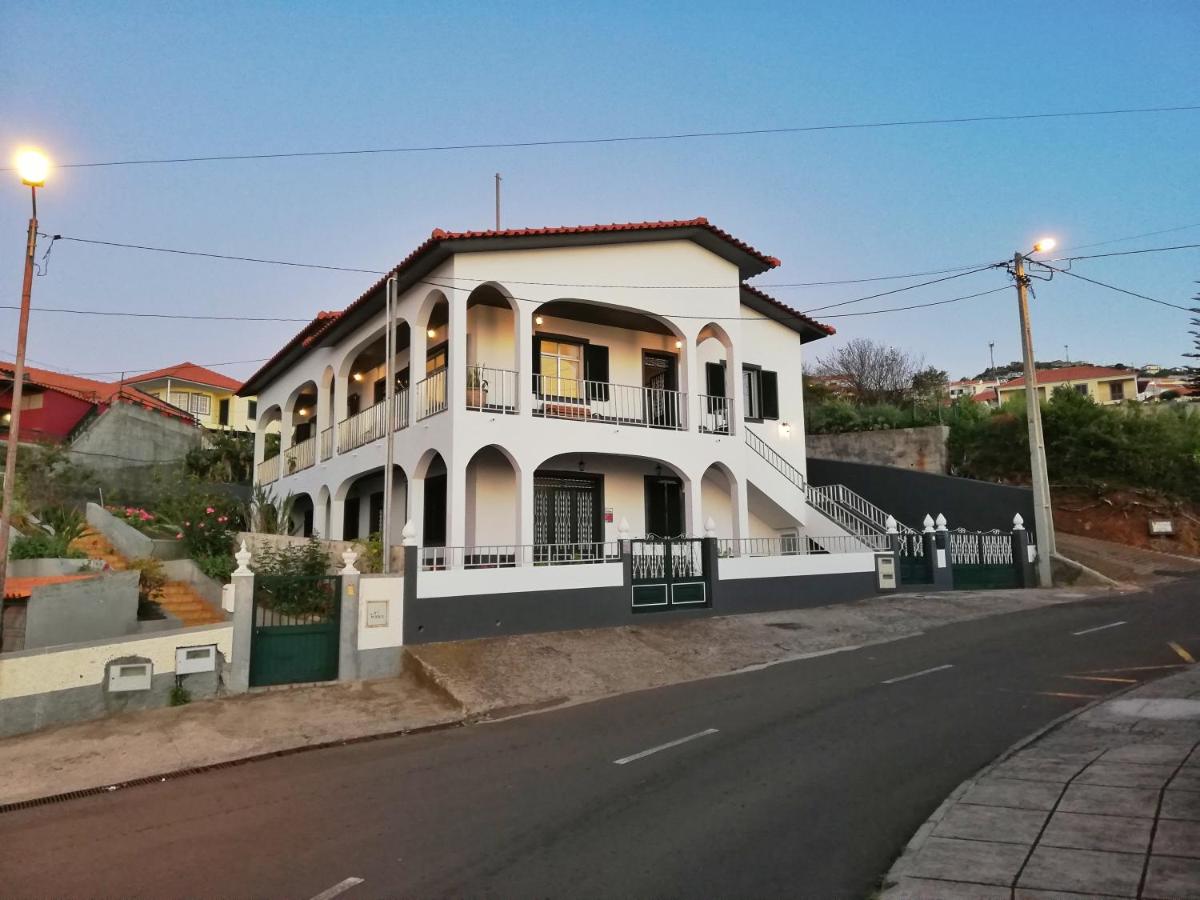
[525, 478]
[524, 369]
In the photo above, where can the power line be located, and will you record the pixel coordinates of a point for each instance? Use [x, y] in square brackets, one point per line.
[1123, 253]
[1133, 237]
[145, 315]
[252, 259]
[891, 309]
[901, 289]
[638, 138]
[1119, 290]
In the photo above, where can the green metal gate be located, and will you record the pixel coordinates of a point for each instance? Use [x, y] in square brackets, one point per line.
[296, 624]
[913, 567]
[669, 573]
[982, 560]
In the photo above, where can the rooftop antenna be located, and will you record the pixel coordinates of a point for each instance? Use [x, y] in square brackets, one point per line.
[498, 180]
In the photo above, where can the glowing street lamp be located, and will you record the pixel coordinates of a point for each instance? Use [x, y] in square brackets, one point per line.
[32, 166]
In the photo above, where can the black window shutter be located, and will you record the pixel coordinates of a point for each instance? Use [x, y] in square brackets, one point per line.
[714, 376]
[595, 368]
[770, 395]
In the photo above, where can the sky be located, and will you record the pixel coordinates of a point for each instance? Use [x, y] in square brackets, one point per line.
[114, 81]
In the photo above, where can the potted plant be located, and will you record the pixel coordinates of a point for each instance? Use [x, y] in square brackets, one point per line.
[477, 388]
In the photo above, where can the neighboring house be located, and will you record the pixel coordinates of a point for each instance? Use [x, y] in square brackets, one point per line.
[1104, 385]
[986, 395]
[56, 406]
[1154, 388]
[209, 396]
[968, 388]
[545, 396]
[840, 386]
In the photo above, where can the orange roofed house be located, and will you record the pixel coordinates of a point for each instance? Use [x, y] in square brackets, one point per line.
[209, 396]
[1104, 385]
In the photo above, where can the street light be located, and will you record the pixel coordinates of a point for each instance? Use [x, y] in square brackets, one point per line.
[32, 166]
[1043, 515]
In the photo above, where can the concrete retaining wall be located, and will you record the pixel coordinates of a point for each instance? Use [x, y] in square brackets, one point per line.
[89, 609]
[39, 568]
[126, 443]
[130, 542]
[919, 449]
[187, 571]
[59, 685]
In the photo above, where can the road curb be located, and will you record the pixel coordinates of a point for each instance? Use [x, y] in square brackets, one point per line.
[917, 842]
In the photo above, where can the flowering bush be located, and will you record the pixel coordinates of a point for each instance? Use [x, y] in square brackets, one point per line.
[206, 533]
[139, 518]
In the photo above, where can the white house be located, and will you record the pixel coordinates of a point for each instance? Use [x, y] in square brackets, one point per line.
[557, 390]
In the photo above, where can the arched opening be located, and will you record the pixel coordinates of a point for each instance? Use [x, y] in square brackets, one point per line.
[303, 513]
[491, 499]
[432, 472]
[599, 363]
[363, 508]
[719, 499]
[300, 416]
[267, 429]
[364, 372]
[323, 516]
[431, 387]
[492, 361]
[582, 498]
[714, 351]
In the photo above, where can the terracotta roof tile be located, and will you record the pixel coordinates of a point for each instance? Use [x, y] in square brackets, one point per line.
[93, 391]
[808, 320]
[1071, 373]
[188, 371]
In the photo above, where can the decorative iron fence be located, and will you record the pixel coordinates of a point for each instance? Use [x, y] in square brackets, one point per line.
[669, 573]
[492, 390]
[913, 567]
[982, 559]
[600, 401]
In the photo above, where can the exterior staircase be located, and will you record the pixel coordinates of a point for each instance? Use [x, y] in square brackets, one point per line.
[851, 512]
[177, 599]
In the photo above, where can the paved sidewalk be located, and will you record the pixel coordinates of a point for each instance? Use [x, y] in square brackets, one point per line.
[1105, 804]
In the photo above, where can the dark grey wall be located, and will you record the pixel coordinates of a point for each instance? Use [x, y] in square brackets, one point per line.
[909, 495]
[435, 619]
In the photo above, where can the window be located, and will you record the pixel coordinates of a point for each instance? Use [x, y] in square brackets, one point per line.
[435, 360]
[180, 399]
[1116, 390]
[252, 409]
[1081, 389]
[201, 404]
[561, 366]
[761, 389]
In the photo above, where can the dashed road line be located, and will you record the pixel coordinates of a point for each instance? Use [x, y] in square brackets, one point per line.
[1104, 678]
[341, 887]
[1137, 669]
[900, 678]
[1069, 696]
[1181, 653]
[1098, 628]
[667, 746]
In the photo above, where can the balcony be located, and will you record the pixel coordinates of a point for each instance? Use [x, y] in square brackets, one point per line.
[716, 414]
[371, 424]
[492, 390]
[326, 443]
[300, 456]
[268, 470]
[610, 404]
[431, 395]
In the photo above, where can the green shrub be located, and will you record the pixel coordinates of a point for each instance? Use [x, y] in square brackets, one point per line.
[180, 695]
[370, 554]
[152, 579]
[41, 545]
[219, 567]
[206, 532]
[307, 559]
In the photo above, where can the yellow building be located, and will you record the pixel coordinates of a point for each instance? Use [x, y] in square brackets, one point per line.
[209, 396]
[1101, 384]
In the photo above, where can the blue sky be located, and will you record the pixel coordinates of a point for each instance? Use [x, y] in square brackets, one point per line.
[115, 81]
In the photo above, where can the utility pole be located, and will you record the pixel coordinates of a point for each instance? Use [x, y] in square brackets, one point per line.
[1067, 352]
[1043, 516]
[389, 348]
[995, 375]
[498, 180]
[32, 167]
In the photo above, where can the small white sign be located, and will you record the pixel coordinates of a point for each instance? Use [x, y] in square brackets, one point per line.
[377, 613]
[885, 567]
[941, 558]
[1031, 550]
[1162, 526]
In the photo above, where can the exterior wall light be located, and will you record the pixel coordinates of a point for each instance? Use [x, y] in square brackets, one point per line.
[538, 320]
[785, 429]
[679, 345]
[431, 332]
[357, 376]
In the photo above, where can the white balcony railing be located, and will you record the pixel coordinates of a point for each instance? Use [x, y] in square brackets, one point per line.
[326, 443]
[794, 545]
[300, 456]
[268, 470]
[362, 427]
[716, 414]
[431, 395]
[599, 401]
[508, 556]
[492, 390]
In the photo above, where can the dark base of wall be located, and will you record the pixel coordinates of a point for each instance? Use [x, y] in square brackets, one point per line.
[436, 619]
[383, 662]
[20, 715]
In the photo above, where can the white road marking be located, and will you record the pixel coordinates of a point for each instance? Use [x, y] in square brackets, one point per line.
[918, 674]
[1097, 628]
[667, 746]
[344, 885]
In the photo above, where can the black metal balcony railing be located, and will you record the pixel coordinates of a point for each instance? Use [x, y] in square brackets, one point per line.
[600, 401]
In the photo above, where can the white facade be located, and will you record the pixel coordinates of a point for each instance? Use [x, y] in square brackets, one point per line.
[477, 317]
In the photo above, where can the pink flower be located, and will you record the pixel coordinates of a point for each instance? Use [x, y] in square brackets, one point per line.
[210, 510]
[201, 525]
[179, 536]
[222, 519]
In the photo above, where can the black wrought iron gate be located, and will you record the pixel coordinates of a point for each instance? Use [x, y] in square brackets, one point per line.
[669, 573]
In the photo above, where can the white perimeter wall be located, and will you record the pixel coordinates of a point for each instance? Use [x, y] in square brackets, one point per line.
[381, 589]
[734, 567]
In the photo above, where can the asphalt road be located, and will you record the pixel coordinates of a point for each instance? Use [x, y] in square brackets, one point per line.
[802, 779]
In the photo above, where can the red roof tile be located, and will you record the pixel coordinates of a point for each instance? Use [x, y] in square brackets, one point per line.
[1071, 373]
[21, 588]
[807, 320]
[187, 371]
[93, 391]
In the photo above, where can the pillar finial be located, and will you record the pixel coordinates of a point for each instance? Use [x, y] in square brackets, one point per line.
[710, 527]
[243, 560]
[1018, 523]
[928, 523]
[623, 528]
[890, 525]
[941, 522]
[408, 536]
[349, 557]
